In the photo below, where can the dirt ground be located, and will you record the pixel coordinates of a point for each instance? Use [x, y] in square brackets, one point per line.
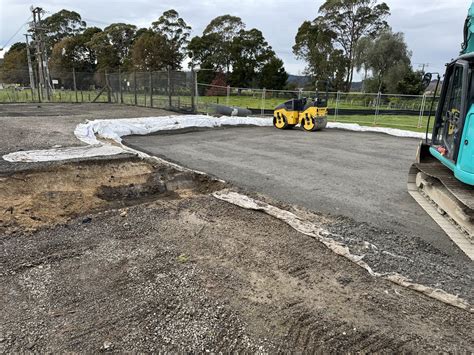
[141, 257]
[25, 127]
[43, 126]
[48, 196]
[358, 178]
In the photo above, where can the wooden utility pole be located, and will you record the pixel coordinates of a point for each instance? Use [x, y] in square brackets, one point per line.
[30, 67]
[41, 52]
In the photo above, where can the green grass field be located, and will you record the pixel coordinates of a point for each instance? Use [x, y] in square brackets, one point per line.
[204, 103]
[247, 101]
[271, 102]
[22, 96]
[392, 121]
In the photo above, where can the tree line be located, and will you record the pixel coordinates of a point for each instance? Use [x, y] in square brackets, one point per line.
[347, 36]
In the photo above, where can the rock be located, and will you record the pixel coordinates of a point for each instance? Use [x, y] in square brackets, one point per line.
[107, 346]
[344, 280]
[87, 220]
[123, 214]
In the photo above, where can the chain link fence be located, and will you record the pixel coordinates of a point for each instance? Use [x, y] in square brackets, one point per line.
[172, 90]
[374, 109]
[179, 91]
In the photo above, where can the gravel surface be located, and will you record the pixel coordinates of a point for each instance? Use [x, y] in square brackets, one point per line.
[388, 251]
[27, 126]
[198, 274]
[355, 174]
[361, 176]
[187, 272]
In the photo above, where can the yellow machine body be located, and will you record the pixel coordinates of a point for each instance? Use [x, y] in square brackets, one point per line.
[297, 111]
[292, 117]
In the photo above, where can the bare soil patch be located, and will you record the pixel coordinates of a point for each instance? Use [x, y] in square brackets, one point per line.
[32, 199]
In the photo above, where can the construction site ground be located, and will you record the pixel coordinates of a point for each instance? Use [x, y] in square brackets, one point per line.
[122, 254]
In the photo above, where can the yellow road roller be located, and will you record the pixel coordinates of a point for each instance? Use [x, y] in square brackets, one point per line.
[310, 114]
[299, 111]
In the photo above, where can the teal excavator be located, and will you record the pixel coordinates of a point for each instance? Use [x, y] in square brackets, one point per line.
[442, 178]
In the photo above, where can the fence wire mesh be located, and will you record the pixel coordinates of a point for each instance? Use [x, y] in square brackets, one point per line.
[179, 91]
[164, 89]
[375, 109]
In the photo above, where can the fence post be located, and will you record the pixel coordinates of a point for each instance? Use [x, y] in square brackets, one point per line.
[32, 95]
[74, 83]
[194, 91]
[300, 93]
[38, 86]
[151, 89]
[227, 96]
[263, 102]
[169, 86]
[135, 86]
[109, 99]
[377, 107]
[336, 108]
[422, 110]
[120, 85]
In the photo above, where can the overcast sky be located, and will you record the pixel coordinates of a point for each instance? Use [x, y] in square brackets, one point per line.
[433, 28]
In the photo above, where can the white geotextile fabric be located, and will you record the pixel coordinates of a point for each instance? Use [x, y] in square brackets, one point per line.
[117, 128]
[103, 137]
[322, 235]
[391, 131]
[56, 154]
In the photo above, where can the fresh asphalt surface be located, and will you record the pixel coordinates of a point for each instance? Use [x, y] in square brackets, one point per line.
[354, 174]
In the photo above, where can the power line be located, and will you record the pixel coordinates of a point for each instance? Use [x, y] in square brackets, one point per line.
[95, 21]
[17, 31]
[423, 66]
[82, 18]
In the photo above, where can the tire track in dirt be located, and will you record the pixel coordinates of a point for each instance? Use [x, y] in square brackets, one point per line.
[311, 331]
[195, 273]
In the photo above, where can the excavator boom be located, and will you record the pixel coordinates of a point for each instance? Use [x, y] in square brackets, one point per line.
[468, 44]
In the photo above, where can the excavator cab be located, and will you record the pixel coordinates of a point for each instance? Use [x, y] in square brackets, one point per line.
[452, 141]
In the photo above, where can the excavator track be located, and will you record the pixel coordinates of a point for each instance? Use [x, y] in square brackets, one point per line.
[447, 200]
